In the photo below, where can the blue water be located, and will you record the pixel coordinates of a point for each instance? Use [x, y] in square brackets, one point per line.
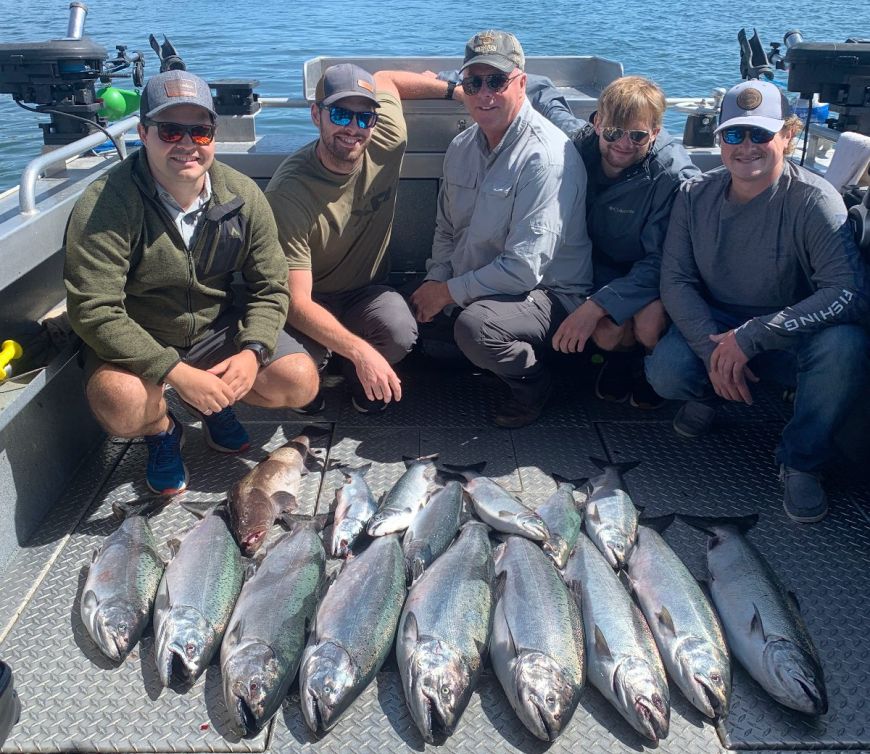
[688, 47]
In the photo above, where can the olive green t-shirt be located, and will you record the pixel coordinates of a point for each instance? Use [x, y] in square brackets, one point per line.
[339, 226]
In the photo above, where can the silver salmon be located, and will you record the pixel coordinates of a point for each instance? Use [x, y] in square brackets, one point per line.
[444, 630]
[684, 624]
[564, 523]
[432, 530]
[353, 632]
[269, 627]
[196, 598]
[622, 661]
[610, 517]
[406, 497]
[354, 507]
[118, 595]
[762, 622]
[536, 648]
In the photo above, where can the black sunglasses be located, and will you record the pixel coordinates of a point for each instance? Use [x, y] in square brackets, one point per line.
[172, 133]
[737, 134]
[495, 82]
[341, 116]
[613, 133]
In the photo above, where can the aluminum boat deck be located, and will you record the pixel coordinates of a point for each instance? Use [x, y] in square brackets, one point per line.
[73, 699]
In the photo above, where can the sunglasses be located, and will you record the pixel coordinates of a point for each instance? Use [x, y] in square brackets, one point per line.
[737, 135]
[495, 82]
[341, 116]
[172, 133]
[612, 134]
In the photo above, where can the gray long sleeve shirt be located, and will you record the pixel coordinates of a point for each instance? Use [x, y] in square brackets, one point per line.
[507, 220]
[785, 261]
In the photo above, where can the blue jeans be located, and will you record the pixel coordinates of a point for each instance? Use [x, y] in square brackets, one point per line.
[829, 369]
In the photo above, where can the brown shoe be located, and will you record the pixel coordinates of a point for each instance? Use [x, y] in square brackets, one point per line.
[513, 414]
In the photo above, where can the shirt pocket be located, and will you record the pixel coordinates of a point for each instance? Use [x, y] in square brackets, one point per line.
[493, 214]
[221, 250]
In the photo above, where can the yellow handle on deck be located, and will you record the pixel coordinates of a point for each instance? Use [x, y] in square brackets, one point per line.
[9, 351]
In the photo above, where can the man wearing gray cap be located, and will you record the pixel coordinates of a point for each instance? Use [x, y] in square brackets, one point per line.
[763, 281]
[151, 250]
[334, 202]
[511, 257]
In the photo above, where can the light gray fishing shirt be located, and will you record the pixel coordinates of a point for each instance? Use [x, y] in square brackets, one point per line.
[507, 218]
[785, 261]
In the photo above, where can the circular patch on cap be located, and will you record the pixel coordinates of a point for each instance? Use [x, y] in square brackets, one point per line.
[749, 99]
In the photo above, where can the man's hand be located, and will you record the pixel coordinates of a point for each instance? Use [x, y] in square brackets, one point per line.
[238, 371]
[578, 327]
[202, 390]
[376, 375]
[728, 369]
[430, 299]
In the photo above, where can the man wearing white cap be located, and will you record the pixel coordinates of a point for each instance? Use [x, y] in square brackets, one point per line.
[763, 281]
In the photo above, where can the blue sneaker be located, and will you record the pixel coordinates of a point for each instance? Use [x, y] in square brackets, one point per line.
[166, 473]
[223, 432]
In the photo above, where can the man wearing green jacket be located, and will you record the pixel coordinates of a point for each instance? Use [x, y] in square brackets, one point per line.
[151, 250]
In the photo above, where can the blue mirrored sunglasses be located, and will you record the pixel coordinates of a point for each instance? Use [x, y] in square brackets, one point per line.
[737, 134]
[341, 116]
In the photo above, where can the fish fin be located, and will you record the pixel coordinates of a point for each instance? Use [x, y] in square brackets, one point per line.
[574, 483]
[593, 515]
[347, 470]
[794, 599]
[666, 621]
[460, 469]
[143, 506]
[199, 508]
[318, 522]
[173, 545]
[410, 631]
[658, 523]
[506, 514]
[708, 524]
[96, 553]
[601, 644]
[755, 625]
[287, 502]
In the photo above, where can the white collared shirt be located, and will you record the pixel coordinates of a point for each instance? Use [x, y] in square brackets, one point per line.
[186, 220]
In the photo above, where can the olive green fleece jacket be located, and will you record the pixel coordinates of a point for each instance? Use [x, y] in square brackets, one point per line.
[135, 293]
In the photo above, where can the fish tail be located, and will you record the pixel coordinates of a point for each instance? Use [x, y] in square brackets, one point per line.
[622, 467]
[659, 523]
[708, 524]
[460, 469]
[575, 483]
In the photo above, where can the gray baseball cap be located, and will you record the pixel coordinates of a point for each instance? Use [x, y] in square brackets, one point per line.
[500, 49]
[754, 103]
[345, 80]
[174, 88]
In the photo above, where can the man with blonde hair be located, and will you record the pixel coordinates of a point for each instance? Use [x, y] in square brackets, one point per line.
[763, 280]
[633, 168]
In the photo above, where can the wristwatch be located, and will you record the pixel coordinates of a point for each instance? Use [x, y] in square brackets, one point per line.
[260, 351]
[451, 85]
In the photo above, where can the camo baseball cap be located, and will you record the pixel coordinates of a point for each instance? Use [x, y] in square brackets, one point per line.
[174, 88]
[754, 103]
[345, 80]
[500, 49]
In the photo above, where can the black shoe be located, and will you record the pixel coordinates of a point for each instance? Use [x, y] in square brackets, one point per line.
[643, 396]
[315, 407]
[614, 379]
[514, 414]
[804, 501]
[694, 419]
[10, 706]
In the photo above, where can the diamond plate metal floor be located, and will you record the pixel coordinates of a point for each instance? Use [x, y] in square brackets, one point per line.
[75, 700]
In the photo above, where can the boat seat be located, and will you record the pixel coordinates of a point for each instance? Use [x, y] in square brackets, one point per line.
[850, 161]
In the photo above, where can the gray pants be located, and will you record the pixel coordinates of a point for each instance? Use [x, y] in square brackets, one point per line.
[376, 313]
[504, 334]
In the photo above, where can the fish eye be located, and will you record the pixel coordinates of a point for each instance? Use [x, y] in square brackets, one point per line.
[551, 699]
[445, 690]
[715, 677]
[327, 689]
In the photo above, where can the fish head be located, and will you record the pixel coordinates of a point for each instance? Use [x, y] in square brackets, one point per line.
[343, 535]
[614, 547]
[252, 685]
[799, 682]
[547, 697]
[645, 702]
[440, 687]
[184, 645]
[533, 526]
[707, 672]
[557, 548]
[252, 513]
[328, 683]
[113, 625]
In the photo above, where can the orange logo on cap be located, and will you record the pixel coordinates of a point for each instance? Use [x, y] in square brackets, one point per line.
[365, 85]
[179, 88]
[749, 99]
